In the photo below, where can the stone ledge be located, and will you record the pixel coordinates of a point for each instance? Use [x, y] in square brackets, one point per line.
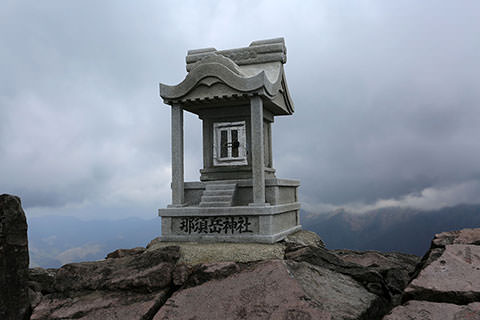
[228, 211]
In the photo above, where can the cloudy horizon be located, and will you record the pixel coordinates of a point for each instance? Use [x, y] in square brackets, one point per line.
[386, 101]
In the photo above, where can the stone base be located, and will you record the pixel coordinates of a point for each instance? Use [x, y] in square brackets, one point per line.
[268, 224]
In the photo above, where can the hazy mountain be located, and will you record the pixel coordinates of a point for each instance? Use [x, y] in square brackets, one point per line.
[389, 229]
[54, 240]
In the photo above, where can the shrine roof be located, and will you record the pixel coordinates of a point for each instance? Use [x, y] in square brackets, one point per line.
[217, 77]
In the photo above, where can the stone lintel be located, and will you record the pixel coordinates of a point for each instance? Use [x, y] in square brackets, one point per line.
[228, 211]
[245, 183]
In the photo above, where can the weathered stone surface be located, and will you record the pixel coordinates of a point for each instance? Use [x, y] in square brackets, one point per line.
[423, 310]
[395, 268]
[145, 272]
[202, 273]
[42, 280]
[370, 279]
[453, 277]
[133, 286]
[305, 238]
[120, 253]
[194, 253]
[14, 259]
[464, 236]
[181, 273]
[35, 297]
[441, 240]
[266, 291]
[101, 305]
[339, 294]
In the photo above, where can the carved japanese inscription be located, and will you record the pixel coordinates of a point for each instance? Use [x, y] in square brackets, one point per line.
[215, 225]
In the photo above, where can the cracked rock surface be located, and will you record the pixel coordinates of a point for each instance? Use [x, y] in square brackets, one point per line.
[446, 284]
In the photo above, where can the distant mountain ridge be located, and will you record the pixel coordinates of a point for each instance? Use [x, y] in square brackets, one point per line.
[57, 240]
[399, 229]
[54, 240]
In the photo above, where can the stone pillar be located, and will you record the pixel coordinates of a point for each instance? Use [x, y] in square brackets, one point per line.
[177, 156]
[258, 152]
[14, 260]
[207, 143]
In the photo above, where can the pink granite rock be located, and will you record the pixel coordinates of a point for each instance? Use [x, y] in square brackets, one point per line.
[267, 291]
[100, 305]
[129, 287]
[120, 253]
[145, 272]
[464, 236]
[396, 268]
[273, 289]
[211, 271]
[424, 310]
[453, 277]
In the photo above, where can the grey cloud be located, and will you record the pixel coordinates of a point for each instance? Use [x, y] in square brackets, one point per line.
[386, 97]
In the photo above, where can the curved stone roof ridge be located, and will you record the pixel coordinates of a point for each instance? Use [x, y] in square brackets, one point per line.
[225, 70]
[262, 51]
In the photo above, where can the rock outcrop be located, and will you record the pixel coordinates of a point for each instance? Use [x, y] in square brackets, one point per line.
[133, 286]
[294, 279]
[446, 284]
[14, 260]
[297, 278]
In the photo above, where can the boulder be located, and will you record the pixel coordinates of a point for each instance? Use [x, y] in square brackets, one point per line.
[441, 240]
[304, 238]
[133, 286]
[464, 236]
[202, 273]
[334, 292]
[265, 291]
[143, 273]
[424, 310]
[396, 268]
[101, 305]
[14, 259]
[120, 253]
[42, 280]
[370, 279]
[453, 277]
[446, 284]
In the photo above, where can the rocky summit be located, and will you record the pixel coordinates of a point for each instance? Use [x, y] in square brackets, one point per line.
[297, 278]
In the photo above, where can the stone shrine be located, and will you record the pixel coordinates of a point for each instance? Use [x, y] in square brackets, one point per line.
[236, 93]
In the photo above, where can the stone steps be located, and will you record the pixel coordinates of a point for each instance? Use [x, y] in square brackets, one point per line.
[210, 193]
[218, 195]
[216, 198]
[216, 204]
[221, 186]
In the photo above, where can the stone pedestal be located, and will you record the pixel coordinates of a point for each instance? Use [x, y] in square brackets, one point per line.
[238, 220]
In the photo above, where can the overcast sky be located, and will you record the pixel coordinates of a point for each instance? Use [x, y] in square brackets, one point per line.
[386, 95]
